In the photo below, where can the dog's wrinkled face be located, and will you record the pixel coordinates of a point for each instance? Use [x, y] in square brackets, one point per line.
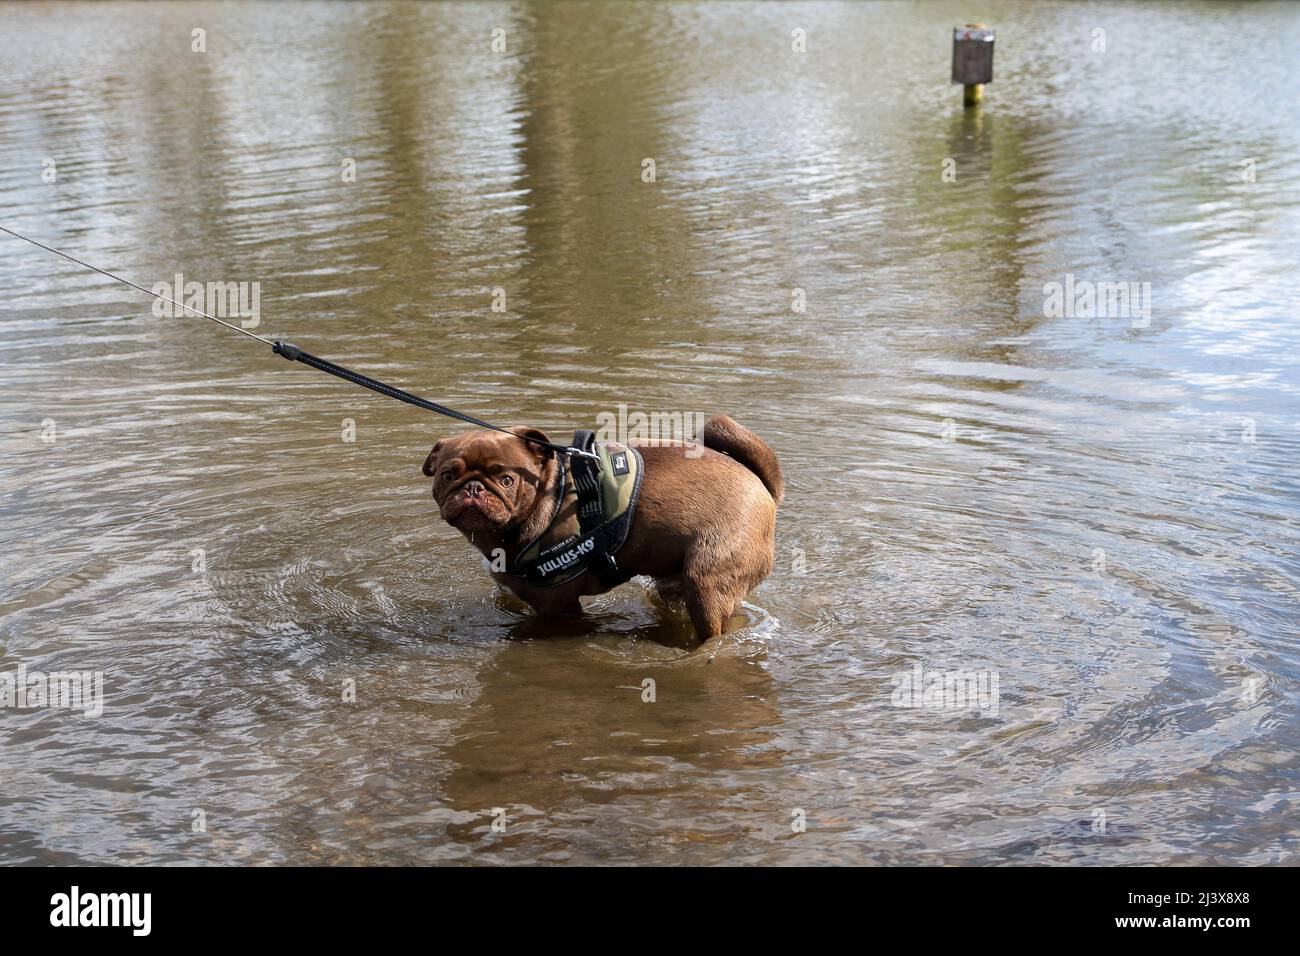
[487, 481]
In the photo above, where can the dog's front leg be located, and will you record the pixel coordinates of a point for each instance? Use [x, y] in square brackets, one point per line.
[555, 605]
[560, 601]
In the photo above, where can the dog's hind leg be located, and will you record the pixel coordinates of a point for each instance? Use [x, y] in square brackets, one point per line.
[710, 610]
[723, 564]
[712, 590]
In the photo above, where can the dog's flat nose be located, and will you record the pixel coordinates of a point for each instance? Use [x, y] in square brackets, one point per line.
[474, 488]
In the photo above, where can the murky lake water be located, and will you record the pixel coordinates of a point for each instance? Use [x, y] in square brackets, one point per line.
[1102, 512]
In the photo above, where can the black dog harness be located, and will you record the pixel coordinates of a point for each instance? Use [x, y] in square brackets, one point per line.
[605, 488]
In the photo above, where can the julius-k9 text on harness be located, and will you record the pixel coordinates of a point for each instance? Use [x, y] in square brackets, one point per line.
[605, 494]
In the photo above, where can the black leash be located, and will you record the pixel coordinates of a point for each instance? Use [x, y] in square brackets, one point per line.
[295, 354]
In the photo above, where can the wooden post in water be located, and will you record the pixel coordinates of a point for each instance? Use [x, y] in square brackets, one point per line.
[972, 61]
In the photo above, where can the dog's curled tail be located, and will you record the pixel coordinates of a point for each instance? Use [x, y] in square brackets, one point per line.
[725, 434]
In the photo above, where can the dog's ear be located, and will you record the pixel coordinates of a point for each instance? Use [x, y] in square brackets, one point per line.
[541, 451]
[429, 462]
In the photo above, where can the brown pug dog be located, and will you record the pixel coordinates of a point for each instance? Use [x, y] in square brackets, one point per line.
[703, 526]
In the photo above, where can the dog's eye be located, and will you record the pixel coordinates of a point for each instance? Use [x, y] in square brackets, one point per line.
[448, 476]
[506, 481]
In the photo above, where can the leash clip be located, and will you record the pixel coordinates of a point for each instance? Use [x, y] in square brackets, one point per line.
[284, 349]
